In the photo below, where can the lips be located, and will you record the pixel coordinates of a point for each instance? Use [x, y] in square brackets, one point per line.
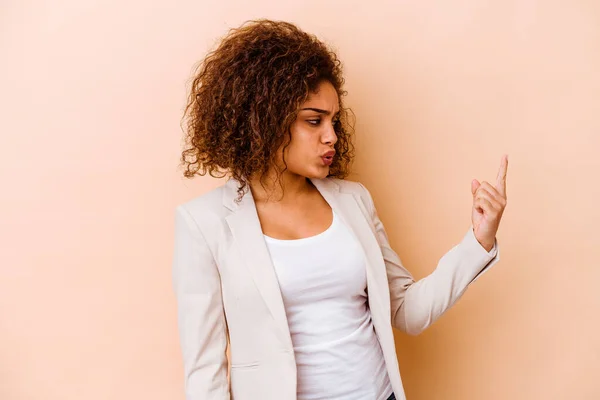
[328, 157]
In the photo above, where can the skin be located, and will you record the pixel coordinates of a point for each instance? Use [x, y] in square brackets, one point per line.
[300, 211]
[489, 203]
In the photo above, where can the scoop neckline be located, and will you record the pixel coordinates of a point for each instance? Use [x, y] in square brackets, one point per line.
[305, 239]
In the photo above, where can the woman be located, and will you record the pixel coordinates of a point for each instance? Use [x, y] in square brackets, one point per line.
[287, 264]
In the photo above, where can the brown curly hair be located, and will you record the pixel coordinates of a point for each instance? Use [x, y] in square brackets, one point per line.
[245, 95]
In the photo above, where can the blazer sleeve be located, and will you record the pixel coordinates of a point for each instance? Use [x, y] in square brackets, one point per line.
[200, 316]
[415, 305]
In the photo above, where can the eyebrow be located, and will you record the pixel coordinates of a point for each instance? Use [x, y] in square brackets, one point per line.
[318, 110]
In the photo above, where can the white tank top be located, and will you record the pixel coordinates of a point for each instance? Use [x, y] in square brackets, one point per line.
[323, 283]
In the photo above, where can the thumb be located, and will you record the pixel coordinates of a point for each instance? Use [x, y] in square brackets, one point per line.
[474, 186]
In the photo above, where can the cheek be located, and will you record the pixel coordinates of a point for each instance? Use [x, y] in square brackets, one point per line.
[299, 144]
[299, 151]
[303, 140]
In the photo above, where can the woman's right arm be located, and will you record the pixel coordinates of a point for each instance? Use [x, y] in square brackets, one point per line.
[200, 315]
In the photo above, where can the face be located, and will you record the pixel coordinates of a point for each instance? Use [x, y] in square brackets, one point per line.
[311, 149]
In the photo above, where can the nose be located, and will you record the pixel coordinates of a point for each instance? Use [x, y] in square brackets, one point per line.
[329, 136]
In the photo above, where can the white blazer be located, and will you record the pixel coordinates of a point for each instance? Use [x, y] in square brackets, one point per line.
[228, 294]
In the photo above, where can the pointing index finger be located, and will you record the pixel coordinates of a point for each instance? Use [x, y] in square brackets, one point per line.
[501, 180]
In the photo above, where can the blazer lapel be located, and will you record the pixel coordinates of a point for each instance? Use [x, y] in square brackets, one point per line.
[247, 232]
[347, 207]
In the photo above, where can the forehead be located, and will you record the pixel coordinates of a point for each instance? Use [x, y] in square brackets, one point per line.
[325, 97]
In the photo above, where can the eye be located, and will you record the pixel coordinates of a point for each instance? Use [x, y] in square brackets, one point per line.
[316, 122]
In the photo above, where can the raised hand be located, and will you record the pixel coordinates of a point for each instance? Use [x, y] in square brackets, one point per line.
[489, 203]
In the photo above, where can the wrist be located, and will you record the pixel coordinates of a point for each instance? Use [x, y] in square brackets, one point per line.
[487, 246]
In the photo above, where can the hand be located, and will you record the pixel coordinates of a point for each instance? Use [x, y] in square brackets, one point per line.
[488, 206]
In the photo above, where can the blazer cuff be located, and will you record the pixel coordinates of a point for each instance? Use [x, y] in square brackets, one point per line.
[482, 259]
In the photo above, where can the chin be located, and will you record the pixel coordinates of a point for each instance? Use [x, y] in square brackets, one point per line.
[320, 173]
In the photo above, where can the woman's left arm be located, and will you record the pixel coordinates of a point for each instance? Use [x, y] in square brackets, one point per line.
[415, 305]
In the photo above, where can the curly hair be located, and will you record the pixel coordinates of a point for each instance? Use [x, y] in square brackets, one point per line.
[245, 95]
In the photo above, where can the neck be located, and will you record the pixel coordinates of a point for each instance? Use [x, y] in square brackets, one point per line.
[271, 190]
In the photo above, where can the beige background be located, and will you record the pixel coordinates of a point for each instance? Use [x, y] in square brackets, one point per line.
[91, 96]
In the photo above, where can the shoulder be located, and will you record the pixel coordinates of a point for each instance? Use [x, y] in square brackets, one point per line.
[210, 200]
[207, 207]
[354, 187]
[346, 185]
